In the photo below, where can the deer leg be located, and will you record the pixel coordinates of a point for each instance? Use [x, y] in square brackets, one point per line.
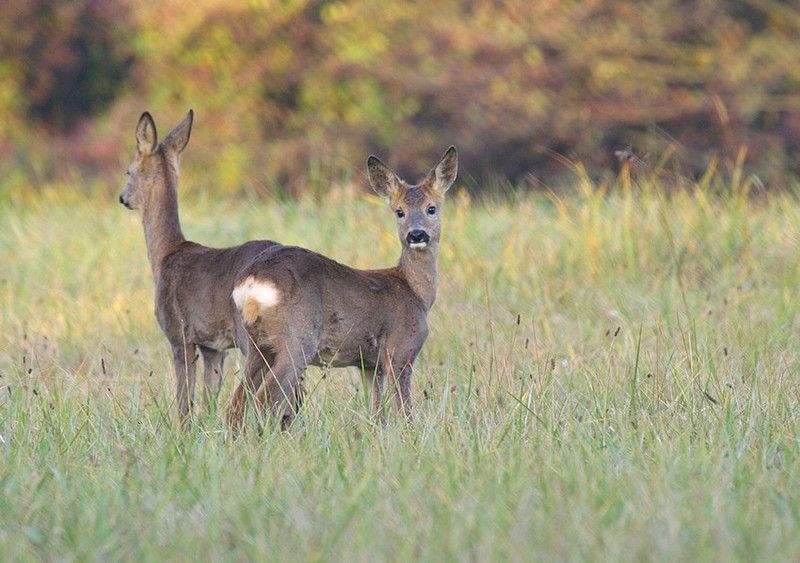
[376, 381]
[298, 396]
[404, 394]
[400, 373]
[283, 391]
[254, 369]
[212, 375]
[185, 359]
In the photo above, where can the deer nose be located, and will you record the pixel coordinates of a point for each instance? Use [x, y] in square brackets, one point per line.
[122, 201]
[418, 237]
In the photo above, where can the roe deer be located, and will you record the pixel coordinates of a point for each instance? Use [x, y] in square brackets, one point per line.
[193, 283]
[300, 308]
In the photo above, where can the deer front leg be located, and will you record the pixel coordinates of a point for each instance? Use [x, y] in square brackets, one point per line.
[404, 390]
[399, 371]
[185, 359]
[377, 382]
[212, 375]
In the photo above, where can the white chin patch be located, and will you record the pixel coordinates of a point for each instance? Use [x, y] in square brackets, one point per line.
[418, 245]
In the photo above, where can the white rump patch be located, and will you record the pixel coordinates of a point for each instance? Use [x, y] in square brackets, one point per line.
[261, 291]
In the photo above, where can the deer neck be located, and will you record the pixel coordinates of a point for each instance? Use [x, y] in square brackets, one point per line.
[162, 226]
[418, 267]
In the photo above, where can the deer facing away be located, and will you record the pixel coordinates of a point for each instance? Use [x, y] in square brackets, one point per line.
[193, 283]
[300, 308]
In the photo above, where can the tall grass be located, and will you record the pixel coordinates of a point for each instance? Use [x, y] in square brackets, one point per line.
[611, 374]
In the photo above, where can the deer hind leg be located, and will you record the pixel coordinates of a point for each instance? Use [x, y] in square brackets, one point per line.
[185, 359]
[256, 365]
[284, 390]
[298, 398]
[212, 375]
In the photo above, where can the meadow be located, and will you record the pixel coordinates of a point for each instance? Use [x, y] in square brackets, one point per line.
[611, 374]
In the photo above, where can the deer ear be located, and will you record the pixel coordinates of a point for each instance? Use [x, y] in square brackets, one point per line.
[444, 173]
[381, 178]
[178, 138]
[146, 136]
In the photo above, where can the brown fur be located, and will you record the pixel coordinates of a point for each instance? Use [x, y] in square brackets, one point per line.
[193, 283]
[328, 314]
[250, 311]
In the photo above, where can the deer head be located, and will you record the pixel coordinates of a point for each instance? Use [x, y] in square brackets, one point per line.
[149, 167]
[416, 207]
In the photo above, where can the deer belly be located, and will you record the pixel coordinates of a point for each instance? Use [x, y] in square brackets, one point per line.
[216, 340]
[358, 352]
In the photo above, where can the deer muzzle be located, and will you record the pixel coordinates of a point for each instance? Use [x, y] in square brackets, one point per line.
[418, 239]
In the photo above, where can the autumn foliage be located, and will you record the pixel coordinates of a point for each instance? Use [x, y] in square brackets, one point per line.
[291, 93]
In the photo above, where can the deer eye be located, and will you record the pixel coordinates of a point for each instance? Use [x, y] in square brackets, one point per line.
[431, 210]
[400, 213]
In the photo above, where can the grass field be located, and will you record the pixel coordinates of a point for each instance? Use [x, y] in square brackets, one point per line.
[607, 377]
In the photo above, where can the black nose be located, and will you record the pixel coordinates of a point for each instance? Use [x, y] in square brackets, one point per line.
[416, 237]
[122, 201]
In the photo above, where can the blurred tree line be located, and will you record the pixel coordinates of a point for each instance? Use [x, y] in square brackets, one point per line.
[292, 92]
